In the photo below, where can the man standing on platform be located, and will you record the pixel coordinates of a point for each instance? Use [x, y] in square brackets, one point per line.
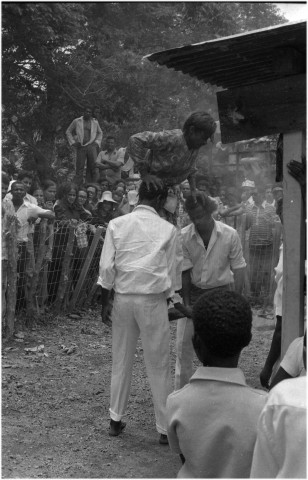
[108, 163]
[85, 134]
[212, 259]
[139, 262]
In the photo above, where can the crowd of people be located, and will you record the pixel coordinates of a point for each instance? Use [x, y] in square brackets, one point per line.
[169, 243]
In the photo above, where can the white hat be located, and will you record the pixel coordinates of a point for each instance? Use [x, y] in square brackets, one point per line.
[107, 197]
[248, 183]
[132, 196]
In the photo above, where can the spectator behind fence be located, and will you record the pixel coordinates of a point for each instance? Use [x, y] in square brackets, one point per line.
[8, 217]
[275, 348]
[82, 197]
[212, 421]
[260, 220]
[85, 135]
[26, 213]
[50, 190]
[67, 207]
[27, 179]
[213, 259]
[105, 210]
[92, 192]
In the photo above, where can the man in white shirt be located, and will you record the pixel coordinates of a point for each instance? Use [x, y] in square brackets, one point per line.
[85, 134]
[139, 262]
[25, 212]
[212, 258]
[281, 447]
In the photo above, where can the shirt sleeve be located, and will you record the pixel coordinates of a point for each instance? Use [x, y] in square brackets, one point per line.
[292, 362]
[264, 462]
[99, 135]
[69, 132]
[106, 264]
[171, 426]
[236, 252]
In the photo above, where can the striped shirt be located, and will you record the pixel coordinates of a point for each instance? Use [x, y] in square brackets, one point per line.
[262, 222]
[212, 267]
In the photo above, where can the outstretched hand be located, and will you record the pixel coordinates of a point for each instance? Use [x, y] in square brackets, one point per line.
[153, 180]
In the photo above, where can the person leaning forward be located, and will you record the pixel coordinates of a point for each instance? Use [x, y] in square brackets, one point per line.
[139, 262]
[170, 156]
[85, 134]
[212, 259]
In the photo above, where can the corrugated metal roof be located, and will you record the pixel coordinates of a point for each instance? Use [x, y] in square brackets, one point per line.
[238, 60]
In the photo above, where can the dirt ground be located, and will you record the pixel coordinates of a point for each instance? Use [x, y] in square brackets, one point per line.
[55, 403]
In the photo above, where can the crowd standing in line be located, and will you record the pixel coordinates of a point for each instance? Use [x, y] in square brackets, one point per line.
[168, 242]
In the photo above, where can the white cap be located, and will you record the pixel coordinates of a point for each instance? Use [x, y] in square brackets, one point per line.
[107, 197]
[248, 183]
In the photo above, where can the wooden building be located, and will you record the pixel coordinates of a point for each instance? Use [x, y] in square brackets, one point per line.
[263, 76]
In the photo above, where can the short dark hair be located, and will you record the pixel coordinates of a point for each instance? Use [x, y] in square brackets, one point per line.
[65, 188]
[152, 193]
[23, 174]
[201, 121]
[93, 185]
[17, 182]
[209, 206]
[48, 183]
[222, 320]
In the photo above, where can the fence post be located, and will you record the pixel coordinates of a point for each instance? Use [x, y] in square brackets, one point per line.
[85, 268]
[64, 279]
[38, 264]
[11, 276]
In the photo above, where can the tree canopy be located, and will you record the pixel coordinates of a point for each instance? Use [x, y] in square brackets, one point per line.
[58, 57]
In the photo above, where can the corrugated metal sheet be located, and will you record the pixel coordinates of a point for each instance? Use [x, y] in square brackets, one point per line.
[238, 60]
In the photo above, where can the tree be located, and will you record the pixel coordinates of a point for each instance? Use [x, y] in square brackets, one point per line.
[57, 57]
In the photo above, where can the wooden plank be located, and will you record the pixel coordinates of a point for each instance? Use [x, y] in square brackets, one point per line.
[263, 109]
[293, 244]
[85, 268]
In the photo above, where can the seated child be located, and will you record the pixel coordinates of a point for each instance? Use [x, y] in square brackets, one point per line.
[212, 421]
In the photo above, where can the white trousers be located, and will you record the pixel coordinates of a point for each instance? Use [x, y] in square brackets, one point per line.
[145, 316]
[184, 352]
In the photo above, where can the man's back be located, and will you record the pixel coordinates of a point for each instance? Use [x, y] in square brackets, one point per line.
[212, 421]
[143, 246]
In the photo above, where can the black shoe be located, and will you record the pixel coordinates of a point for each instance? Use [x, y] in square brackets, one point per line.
[163, 439]
[116, 428]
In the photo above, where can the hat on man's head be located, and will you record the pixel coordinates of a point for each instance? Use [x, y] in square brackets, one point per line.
[107, 197]
[248, 183]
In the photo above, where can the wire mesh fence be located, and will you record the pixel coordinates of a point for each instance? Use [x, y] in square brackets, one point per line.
[57, 268]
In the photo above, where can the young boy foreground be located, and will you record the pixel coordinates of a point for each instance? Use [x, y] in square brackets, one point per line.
[212, 421]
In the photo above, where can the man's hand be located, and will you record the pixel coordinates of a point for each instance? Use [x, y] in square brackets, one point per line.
[106, 314]
[153, 180]
[77, 144]
[32, 220]
[298, 171]
[265, 375]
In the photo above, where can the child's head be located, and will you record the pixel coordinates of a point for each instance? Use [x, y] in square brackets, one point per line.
[222, 323]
